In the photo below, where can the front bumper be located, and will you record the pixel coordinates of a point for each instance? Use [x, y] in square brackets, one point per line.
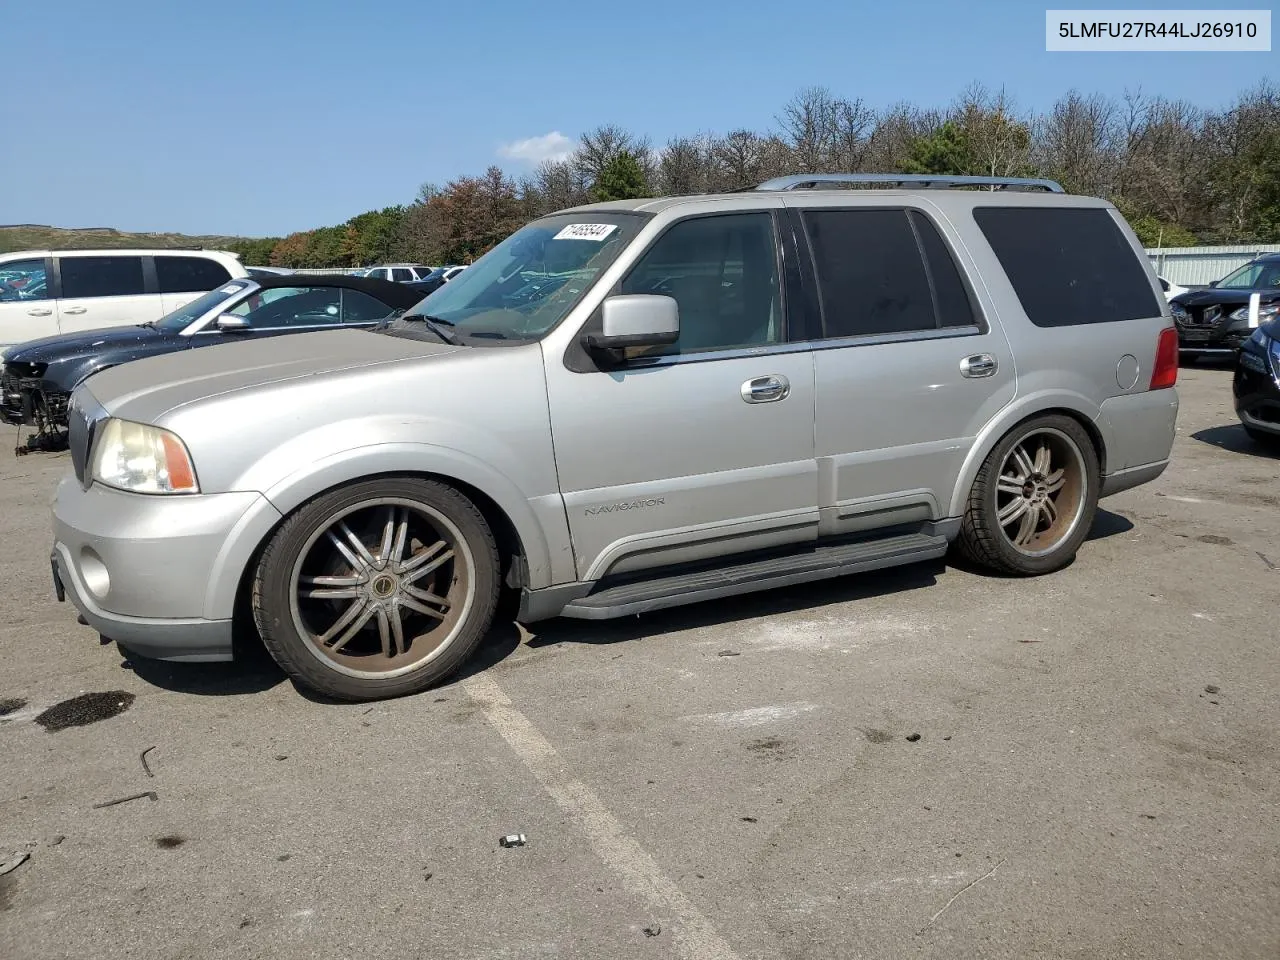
[1222, 339]
[1257, 399]
[156, 574]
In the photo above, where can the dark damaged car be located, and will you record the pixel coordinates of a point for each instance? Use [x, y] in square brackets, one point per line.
[37, 377]
[1257, 384]
[1215, 321]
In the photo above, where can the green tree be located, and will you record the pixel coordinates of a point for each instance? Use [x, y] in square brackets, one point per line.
[621, 178]
[944, 151]
[256, 251]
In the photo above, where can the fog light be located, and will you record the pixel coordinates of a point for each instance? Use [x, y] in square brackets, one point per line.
[94, 573]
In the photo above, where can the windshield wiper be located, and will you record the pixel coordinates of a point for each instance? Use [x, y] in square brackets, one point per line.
[149, 324]
[437, 326]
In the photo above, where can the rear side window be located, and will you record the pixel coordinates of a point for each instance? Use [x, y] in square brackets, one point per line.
[401, 274]
[101, 277]
[884, 272]
[189, 274]
[1067, 265]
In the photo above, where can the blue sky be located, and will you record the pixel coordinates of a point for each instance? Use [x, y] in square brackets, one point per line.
[256, 118]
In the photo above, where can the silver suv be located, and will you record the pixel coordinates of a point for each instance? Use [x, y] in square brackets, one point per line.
[629, 406]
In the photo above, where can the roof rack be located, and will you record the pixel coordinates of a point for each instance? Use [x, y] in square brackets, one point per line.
[914, 180]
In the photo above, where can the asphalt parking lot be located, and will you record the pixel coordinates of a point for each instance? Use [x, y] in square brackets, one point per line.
[925, 763]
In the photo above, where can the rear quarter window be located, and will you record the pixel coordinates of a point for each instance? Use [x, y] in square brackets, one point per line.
[1068, 265]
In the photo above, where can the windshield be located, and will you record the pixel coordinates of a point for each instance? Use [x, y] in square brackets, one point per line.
[528, 283]
[187, 314]
[1258, 275]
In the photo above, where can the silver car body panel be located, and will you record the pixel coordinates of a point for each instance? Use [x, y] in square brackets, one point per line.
[629, 469]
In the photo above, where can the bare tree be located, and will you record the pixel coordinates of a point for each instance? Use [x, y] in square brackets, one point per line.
[1079, 143]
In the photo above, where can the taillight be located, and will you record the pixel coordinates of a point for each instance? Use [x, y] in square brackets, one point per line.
[1165, 372]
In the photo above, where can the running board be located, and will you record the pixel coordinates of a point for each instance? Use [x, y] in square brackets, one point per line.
[747, 576]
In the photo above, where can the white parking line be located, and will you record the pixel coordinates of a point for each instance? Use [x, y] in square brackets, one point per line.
[694, 935]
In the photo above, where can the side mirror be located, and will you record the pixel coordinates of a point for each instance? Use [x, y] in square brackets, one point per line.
[230, 323]
[1213, 283]
[636, 320]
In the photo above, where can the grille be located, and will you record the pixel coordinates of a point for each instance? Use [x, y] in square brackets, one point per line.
[79, 435]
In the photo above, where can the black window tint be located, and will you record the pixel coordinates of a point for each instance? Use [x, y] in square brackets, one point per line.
[101, 277]
[1068, 266]
[359, 307]
[23, 280]
[189, 274]
[723, 272]
[951, 299]
[401, 274]
[870, 276]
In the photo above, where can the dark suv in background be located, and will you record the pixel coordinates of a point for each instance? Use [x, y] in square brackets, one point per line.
[1216, 321]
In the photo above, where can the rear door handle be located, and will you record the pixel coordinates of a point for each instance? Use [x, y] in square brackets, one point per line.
[766, 389]
[39, 312]
[75, 310]
[978, 365]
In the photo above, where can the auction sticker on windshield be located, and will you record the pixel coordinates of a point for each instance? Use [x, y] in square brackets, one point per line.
[586, 231]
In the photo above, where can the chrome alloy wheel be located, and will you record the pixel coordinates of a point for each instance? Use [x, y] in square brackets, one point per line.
[382, 587]
[1041, 491]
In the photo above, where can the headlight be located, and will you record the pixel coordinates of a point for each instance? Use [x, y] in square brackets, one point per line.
[1265, 312]
[1178, 310]
[142, 459]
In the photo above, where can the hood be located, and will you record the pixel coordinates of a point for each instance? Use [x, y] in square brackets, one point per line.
[148, 388]
[1227, 298]
[85, 343]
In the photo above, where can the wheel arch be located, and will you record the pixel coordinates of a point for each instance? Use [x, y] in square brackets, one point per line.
[517, 524]
[1075, 406]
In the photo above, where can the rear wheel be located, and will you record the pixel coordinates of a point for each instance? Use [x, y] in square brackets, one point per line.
[377, 589]
[1034, 499]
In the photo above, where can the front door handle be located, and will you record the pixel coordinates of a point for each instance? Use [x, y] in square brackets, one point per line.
[75, 311]
[978, 365]
[39, 312]
[766, 389]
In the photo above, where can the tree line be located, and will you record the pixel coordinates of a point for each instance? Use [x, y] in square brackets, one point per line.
[1182, 175]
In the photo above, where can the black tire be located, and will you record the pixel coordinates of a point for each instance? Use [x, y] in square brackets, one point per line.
[984, 541]
[465, 560]
[1263, 439]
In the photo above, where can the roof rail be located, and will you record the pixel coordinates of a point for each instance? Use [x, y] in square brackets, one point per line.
[911, 180]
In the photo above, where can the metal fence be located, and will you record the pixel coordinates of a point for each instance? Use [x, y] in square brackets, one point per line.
[1200, 265]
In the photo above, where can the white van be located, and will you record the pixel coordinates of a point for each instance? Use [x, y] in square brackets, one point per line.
[47, 292]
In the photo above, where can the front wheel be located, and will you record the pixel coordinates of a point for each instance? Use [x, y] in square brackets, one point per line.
[1034, 499]
[377, 589]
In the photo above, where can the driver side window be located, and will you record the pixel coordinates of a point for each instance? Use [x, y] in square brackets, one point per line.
[291, 307]
[723, 273]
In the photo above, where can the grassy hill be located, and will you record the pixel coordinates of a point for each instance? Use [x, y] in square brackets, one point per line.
[32, 236]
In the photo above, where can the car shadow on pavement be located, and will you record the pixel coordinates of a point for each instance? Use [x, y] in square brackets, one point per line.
[252, 671]
[782, 600]
[1232, 438]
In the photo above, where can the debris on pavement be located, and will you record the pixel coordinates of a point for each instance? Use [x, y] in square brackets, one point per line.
[1211, 688]
[955, 896]
[653, 931]
[748, 819]
[10, 705]
[145, 766]
[728, 653]
[14, 862]
[913, 737]
[150, 794]
[1265, 559]
[512, 840]
[54, 841]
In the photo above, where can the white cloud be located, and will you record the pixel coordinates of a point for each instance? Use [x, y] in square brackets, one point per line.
[551, 146]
